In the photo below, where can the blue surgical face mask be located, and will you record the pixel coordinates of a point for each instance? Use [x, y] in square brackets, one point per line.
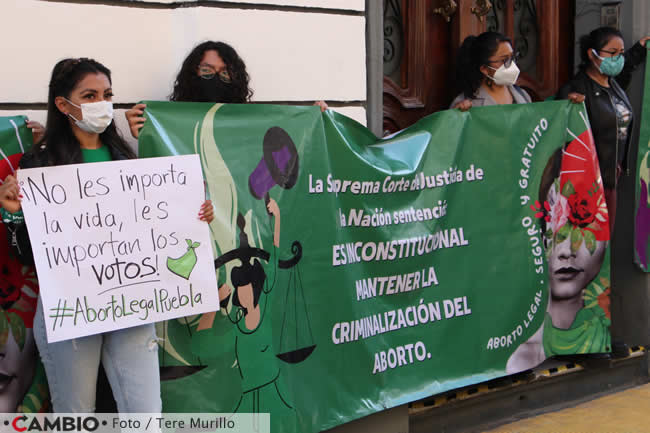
[610, 66]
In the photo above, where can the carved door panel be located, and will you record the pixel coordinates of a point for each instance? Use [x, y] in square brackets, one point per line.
[542, 35]
[421, 40]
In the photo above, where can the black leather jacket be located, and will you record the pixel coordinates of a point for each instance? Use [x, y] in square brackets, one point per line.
[18, 237]
[602, 113]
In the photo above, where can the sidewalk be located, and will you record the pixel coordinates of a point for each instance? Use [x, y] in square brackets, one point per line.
[624, 412]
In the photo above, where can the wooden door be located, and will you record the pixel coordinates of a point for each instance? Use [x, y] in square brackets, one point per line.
[419, 48]
[542, 35]
[421, 40]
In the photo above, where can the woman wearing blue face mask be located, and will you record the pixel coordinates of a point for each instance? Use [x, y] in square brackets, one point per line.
[605, 70]
[80, 129]
[487, 72]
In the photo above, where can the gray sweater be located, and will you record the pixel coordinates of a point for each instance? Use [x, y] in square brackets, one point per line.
[482, 98]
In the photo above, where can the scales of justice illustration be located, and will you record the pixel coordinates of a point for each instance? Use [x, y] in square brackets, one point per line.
[279, 166]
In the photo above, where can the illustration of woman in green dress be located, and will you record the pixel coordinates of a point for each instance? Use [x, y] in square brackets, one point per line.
[253, 282]
[234, 355]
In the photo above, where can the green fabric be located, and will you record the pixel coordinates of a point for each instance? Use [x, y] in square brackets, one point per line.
[254, 357]
[589, 333]
[373, 304]
[184, 265]
[8, 217]
[15, 137]
[642, 201]
[101, 154]
[37, 398]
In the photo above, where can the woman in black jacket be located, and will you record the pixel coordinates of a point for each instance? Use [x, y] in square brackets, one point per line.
[603, 58]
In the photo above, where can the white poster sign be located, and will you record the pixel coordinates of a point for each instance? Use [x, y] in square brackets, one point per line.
[119, 244]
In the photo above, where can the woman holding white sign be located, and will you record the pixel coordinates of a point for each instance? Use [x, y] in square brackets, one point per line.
[80, 129]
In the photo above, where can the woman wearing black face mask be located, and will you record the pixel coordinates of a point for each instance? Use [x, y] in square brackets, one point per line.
[212, 72]
[211, 85]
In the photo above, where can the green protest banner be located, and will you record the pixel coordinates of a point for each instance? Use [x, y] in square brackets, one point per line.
[357, 273]
[15, 139]
[22, 378]
[642, 208]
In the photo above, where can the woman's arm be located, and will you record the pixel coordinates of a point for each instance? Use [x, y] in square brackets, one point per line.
[461, 102]
[10, 195]
[463, 105]
[19, 241]
[274, 209]
[10, 210]
[633, 58]
[567, 90]
[207, 319]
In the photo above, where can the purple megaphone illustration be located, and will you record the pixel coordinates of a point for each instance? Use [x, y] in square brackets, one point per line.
[278, 166]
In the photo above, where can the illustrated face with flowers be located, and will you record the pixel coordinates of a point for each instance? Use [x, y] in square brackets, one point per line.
[18, 298]
[574, 217]
[18, 355]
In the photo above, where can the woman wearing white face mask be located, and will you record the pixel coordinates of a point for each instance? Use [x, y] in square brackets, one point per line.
[487, 73]
[80, 129]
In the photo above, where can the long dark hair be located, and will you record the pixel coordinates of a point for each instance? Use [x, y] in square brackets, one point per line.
[185, 88]
[475, 52]
[59, 145]
[596, 40]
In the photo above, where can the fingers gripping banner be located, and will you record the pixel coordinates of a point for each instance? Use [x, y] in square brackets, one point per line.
[358, 274]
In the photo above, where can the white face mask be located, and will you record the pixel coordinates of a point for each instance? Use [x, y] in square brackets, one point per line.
[505, 76]
[95, 116]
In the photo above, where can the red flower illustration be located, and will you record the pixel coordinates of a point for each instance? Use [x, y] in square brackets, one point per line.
[581, 185]
[9, 293]
[583, 209]
[542, 212]
[21, 280]
[18, 284]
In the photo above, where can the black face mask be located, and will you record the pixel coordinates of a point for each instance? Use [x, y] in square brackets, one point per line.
[214, 90]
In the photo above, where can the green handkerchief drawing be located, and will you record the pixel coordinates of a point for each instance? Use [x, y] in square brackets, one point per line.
[184, 265]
